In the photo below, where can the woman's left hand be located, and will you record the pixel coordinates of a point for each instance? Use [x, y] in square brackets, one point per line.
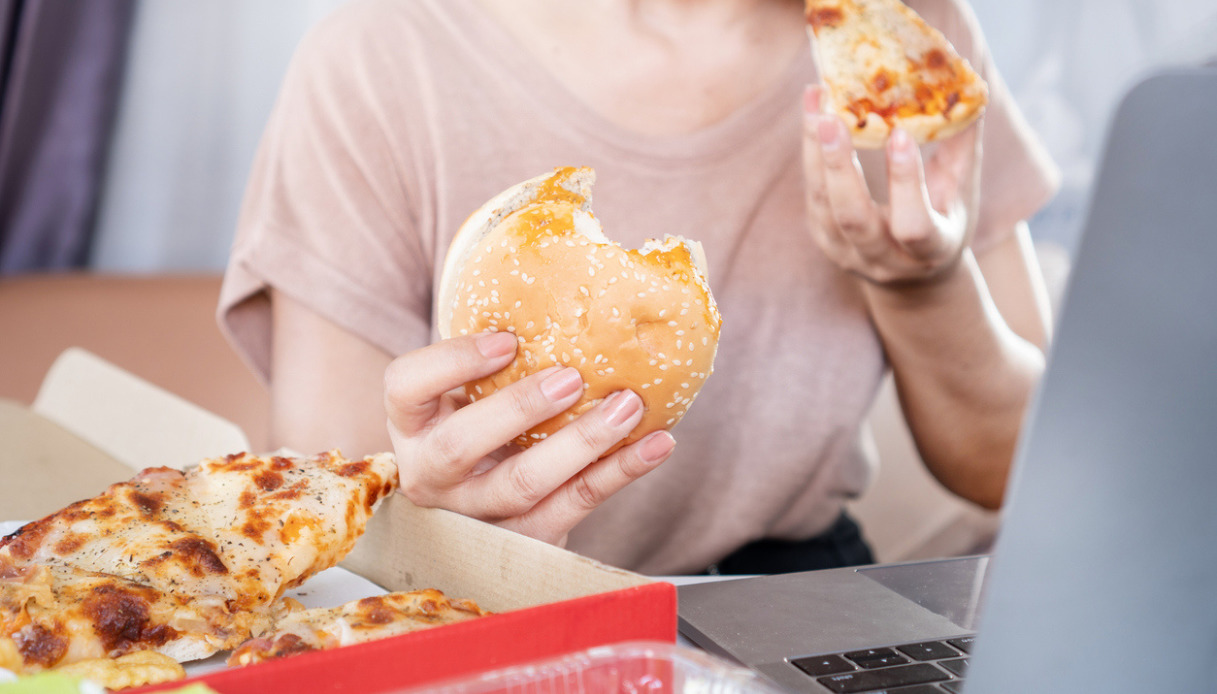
[920, 233]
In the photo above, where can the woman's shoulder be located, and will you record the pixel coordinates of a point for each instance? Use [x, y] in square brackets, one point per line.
[367, 26]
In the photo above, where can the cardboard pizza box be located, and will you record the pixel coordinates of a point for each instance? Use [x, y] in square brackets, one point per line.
[93, 424]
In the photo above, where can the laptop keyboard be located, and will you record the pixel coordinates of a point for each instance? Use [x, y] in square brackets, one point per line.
[924, 667]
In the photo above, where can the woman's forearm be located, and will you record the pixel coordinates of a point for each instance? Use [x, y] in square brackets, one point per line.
[964, 377]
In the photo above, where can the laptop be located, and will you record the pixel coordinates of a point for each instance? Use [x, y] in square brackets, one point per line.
[1104, 576]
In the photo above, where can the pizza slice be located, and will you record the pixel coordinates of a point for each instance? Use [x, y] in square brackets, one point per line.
[357, 621]
[58, 615]
[884, 67]
[242, 528]
[192, 562]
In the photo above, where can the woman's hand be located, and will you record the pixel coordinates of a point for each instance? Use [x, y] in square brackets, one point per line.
[920, 233]
[456, 455]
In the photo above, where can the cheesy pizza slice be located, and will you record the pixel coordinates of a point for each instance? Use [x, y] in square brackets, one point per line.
[241, 528]
[278, 520]
[58, 615]
[376, 617]
[884, 67]
[200, 557]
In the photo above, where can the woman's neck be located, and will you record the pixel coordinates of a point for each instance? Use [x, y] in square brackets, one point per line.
[659, 67]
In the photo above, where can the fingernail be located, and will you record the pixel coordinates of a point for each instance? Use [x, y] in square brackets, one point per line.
[620, 406]
[562, 384]
[811, 99]
[497, 344]
[901, 147]
[656, 447]
[827, 131]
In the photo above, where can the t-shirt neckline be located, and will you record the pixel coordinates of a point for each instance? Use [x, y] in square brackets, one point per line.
[501, 51]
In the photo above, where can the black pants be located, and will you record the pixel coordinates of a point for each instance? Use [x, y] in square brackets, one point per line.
[840, 545]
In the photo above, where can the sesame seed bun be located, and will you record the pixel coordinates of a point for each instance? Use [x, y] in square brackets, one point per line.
[534, 261]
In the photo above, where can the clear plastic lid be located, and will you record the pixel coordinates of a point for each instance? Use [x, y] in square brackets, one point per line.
[628, 668]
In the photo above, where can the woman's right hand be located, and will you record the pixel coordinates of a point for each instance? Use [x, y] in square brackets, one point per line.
[458, 455]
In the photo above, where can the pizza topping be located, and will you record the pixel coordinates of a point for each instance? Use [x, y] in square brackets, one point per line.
[39, 645]
[357, 621]
[884, 67]
[820, 17]
[121, 617]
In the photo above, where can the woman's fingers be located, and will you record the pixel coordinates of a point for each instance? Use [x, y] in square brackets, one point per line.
[449, 452]
[912, 221]
[518, 484]
[819, 211]
[415, 381]
[554, 516]
[853, 209]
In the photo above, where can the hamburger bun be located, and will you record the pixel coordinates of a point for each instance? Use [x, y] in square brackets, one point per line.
[534, 261]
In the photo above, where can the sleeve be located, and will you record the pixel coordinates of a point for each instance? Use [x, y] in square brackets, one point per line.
[1017, 175]
[327, 217]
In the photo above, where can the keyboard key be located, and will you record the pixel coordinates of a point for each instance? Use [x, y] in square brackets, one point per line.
[954, 686]
[870, 680]
[822, 665]
[876, 658]
[956, 667]
[928, 650]
[963, 643]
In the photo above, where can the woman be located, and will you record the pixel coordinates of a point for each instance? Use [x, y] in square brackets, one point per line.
[399, 118]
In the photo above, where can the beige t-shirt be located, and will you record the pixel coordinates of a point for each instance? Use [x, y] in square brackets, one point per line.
[398, 118]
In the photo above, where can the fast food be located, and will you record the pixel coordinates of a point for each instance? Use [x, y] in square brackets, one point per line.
[185, 564]
[534, 261]
[138, 669]
[884, 67]
[357, 621]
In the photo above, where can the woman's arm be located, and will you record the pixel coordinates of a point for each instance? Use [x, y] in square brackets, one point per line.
[966, 353]
[964, 336]
[327, 384]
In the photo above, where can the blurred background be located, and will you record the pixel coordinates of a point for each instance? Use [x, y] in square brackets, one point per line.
[127, 130]
[127, 127]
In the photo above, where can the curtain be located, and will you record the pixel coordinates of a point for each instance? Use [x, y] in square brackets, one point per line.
[61, 62]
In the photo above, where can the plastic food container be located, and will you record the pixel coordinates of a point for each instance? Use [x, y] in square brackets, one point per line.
[627, 668]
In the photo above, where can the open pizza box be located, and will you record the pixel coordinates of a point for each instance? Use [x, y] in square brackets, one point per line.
[93, 424]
